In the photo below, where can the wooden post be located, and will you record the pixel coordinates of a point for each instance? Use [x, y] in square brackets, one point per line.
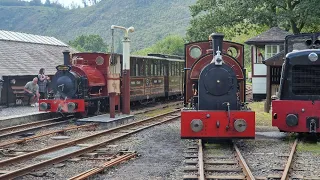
[112, 103]
[268, 98]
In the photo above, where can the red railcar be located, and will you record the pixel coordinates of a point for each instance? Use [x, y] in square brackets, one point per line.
[296, 107]
[215, 91]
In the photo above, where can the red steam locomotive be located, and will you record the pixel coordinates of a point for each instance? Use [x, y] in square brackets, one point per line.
[215, 91]
[82, 85]
[296, 107]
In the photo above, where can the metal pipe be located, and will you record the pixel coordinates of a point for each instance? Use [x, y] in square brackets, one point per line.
[217, 40]
[66, 57]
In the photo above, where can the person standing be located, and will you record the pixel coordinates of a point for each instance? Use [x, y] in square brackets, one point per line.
[42, 82]
[31, 89]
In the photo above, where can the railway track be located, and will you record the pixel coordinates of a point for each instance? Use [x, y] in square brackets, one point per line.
[26, 163]
[207, 162]
[36, 127]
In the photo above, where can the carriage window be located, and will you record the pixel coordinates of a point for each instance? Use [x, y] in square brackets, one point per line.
[170, 68]
[161, 68]
[165, 69]
[156, 67]
[142, 67]
[147, 68]
[175, 69]
[132, 66]
[182, 69]
[152, 68]
[137, 68]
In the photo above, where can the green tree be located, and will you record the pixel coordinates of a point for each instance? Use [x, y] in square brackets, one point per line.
[172, 45]
[90, 43]
[47, 3]
[35, 3]
[235, 17]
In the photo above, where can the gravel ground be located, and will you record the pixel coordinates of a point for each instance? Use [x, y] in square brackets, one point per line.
[306, 164]
[19, 110]
[264, 155]
[160, 157]
[223, 152]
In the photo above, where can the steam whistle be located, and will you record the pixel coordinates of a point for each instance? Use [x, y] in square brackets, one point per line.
[217, 60]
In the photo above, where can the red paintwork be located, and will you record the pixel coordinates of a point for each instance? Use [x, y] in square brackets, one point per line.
[89, 59]
[112, 104]
[284, 107]
[197, 68]
[55, 104]
[210, 129]
[206, 57]
[126, 92]
[95, 77]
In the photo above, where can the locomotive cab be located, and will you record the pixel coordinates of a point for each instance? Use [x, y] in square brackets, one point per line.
[296, 108]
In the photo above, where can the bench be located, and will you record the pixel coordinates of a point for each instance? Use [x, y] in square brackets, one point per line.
[18, 91]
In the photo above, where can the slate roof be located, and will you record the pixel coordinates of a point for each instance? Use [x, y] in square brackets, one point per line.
[273, 35]
[24, 54]
[276, 60]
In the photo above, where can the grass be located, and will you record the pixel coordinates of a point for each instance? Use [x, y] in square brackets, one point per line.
[216, 149]
[309, 147]
[159, 111]
[262, 118]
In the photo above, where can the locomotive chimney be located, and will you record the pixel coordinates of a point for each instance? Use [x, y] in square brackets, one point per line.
[66, 57]
[217, 39]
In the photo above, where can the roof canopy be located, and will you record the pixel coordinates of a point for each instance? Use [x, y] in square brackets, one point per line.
[276, 60]
[24, 54]
[273, 35]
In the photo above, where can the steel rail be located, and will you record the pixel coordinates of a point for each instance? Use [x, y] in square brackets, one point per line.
[286, 170]
[201, 162]
[111, 163]
[72, 128]
[91, 148]
[243, 164]
[32, 129]
[45, 134]
[11, 128]
[71, 143]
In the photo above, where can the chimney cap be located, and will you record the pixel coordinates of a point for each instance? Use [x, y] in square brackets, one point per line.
[217, 34]
[66, 51]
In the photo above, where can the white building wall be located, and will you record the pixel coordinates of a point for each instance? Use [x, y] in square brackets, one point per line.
[259, 85]
[260, 69]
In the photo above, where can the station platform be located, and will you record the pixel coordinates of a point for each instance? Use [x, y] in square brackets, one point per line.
[10, 116]
[105, 121]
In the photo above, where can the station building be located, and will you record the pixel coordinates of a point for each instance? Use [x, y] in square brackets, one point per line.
[266, 49]
[21, 57]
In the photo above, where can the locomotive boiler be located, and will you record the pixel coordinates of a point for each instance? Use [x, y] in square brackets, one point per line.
[215, 92]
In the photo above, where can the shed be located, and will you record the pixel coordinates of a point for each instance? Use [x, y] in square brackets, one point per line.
[265, 46]
[21, 57]
[274, 67]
